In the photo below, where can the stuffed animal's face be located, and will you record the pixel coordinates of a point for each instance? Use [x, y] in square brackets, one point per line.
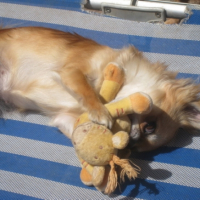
[93, 143]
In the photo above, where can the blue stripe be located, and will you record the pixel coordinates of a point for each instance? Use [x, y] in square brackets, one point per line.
[58, 4]
[10, 195]
[194, 18]
[33, 131]
[114, 40]
[41, 169]
[172, 155]
[139, 188]
[195, 77]
[152, 190]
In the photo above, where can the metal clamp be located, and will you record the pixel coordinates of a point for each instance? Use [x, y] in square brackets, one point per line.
[145, 11]
[134, 13]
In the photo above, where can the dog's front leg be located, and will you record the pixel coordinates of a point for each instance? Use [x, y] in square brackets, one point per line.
[76, 81]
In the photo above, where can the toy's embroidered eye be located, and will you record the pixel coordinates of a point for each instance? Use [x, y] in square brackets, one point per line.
[149, 128]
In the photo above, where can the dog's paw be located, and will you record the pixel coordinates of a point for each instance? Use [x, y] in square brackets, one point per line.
[101, 116]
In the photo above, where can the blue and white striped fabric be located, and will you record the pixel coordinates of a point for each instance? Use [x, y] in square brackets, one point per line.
[38, 162]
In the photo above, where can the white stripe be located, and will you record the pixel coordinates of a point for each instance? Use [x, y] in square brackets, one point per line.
[182, 64]
[37, 149]
[98, 23]
[168, 173]
[27, 117]
[46, 189]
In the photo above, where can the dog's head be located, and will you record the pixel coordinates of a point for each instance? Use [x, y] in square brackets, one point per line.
[176, 105]
[176, 101]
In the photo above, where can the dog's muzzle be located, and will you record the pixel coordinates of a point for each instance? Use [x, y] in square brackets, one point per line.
[134, 136]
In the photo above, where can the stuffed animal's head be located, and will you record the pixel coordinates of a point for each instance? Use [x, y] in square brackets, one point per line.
[96, 144]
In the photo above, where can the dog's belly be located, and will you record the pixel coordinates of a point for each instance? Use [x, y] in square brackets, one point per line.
[44, 94]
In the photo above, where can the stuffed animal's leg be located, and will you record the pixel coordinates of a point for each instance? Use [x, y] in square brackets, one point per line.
[113, 80]
[86, 178]
[91, 175]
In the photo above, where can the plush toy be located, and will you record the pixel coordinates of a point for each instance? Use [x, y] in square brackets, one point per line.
[96, 146]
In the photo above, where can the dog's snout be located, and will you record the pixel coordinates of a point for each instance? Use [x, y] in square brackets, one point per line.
[134, 136]
[135, 133]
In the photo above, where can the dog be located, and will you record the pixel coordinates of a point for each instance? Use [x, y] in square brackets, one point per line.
[60, 74]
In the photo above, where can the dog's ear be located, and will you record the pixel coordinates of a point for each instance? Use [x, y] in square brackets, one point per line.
[185, 97]
[191, 115]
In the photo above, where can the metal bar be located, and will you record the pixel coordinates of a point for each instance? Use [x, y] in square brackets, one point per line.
[134, 13]
[173, 10]
[96, 4]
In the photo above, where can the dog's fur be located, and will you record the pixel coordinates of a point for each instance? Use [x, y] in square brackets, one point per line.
[60, 74]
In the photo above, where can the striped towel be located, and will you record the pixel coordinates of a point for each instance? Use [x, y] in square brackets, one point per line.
[38, 162]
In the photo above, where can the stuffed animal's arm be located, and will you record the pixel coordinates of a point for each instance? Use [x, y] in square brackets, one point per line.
[139, 103]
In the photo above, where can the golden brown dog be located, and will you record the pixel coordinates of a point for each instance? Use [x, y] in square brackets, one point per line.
[60, 74]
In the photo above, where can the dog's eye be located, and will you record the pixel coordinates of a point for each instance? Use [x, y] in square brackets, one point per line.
[149, 128]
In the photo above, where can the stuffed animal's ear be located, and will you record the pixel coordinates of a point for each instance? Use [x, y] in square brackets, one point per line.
[191, 115]
[120, 140]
